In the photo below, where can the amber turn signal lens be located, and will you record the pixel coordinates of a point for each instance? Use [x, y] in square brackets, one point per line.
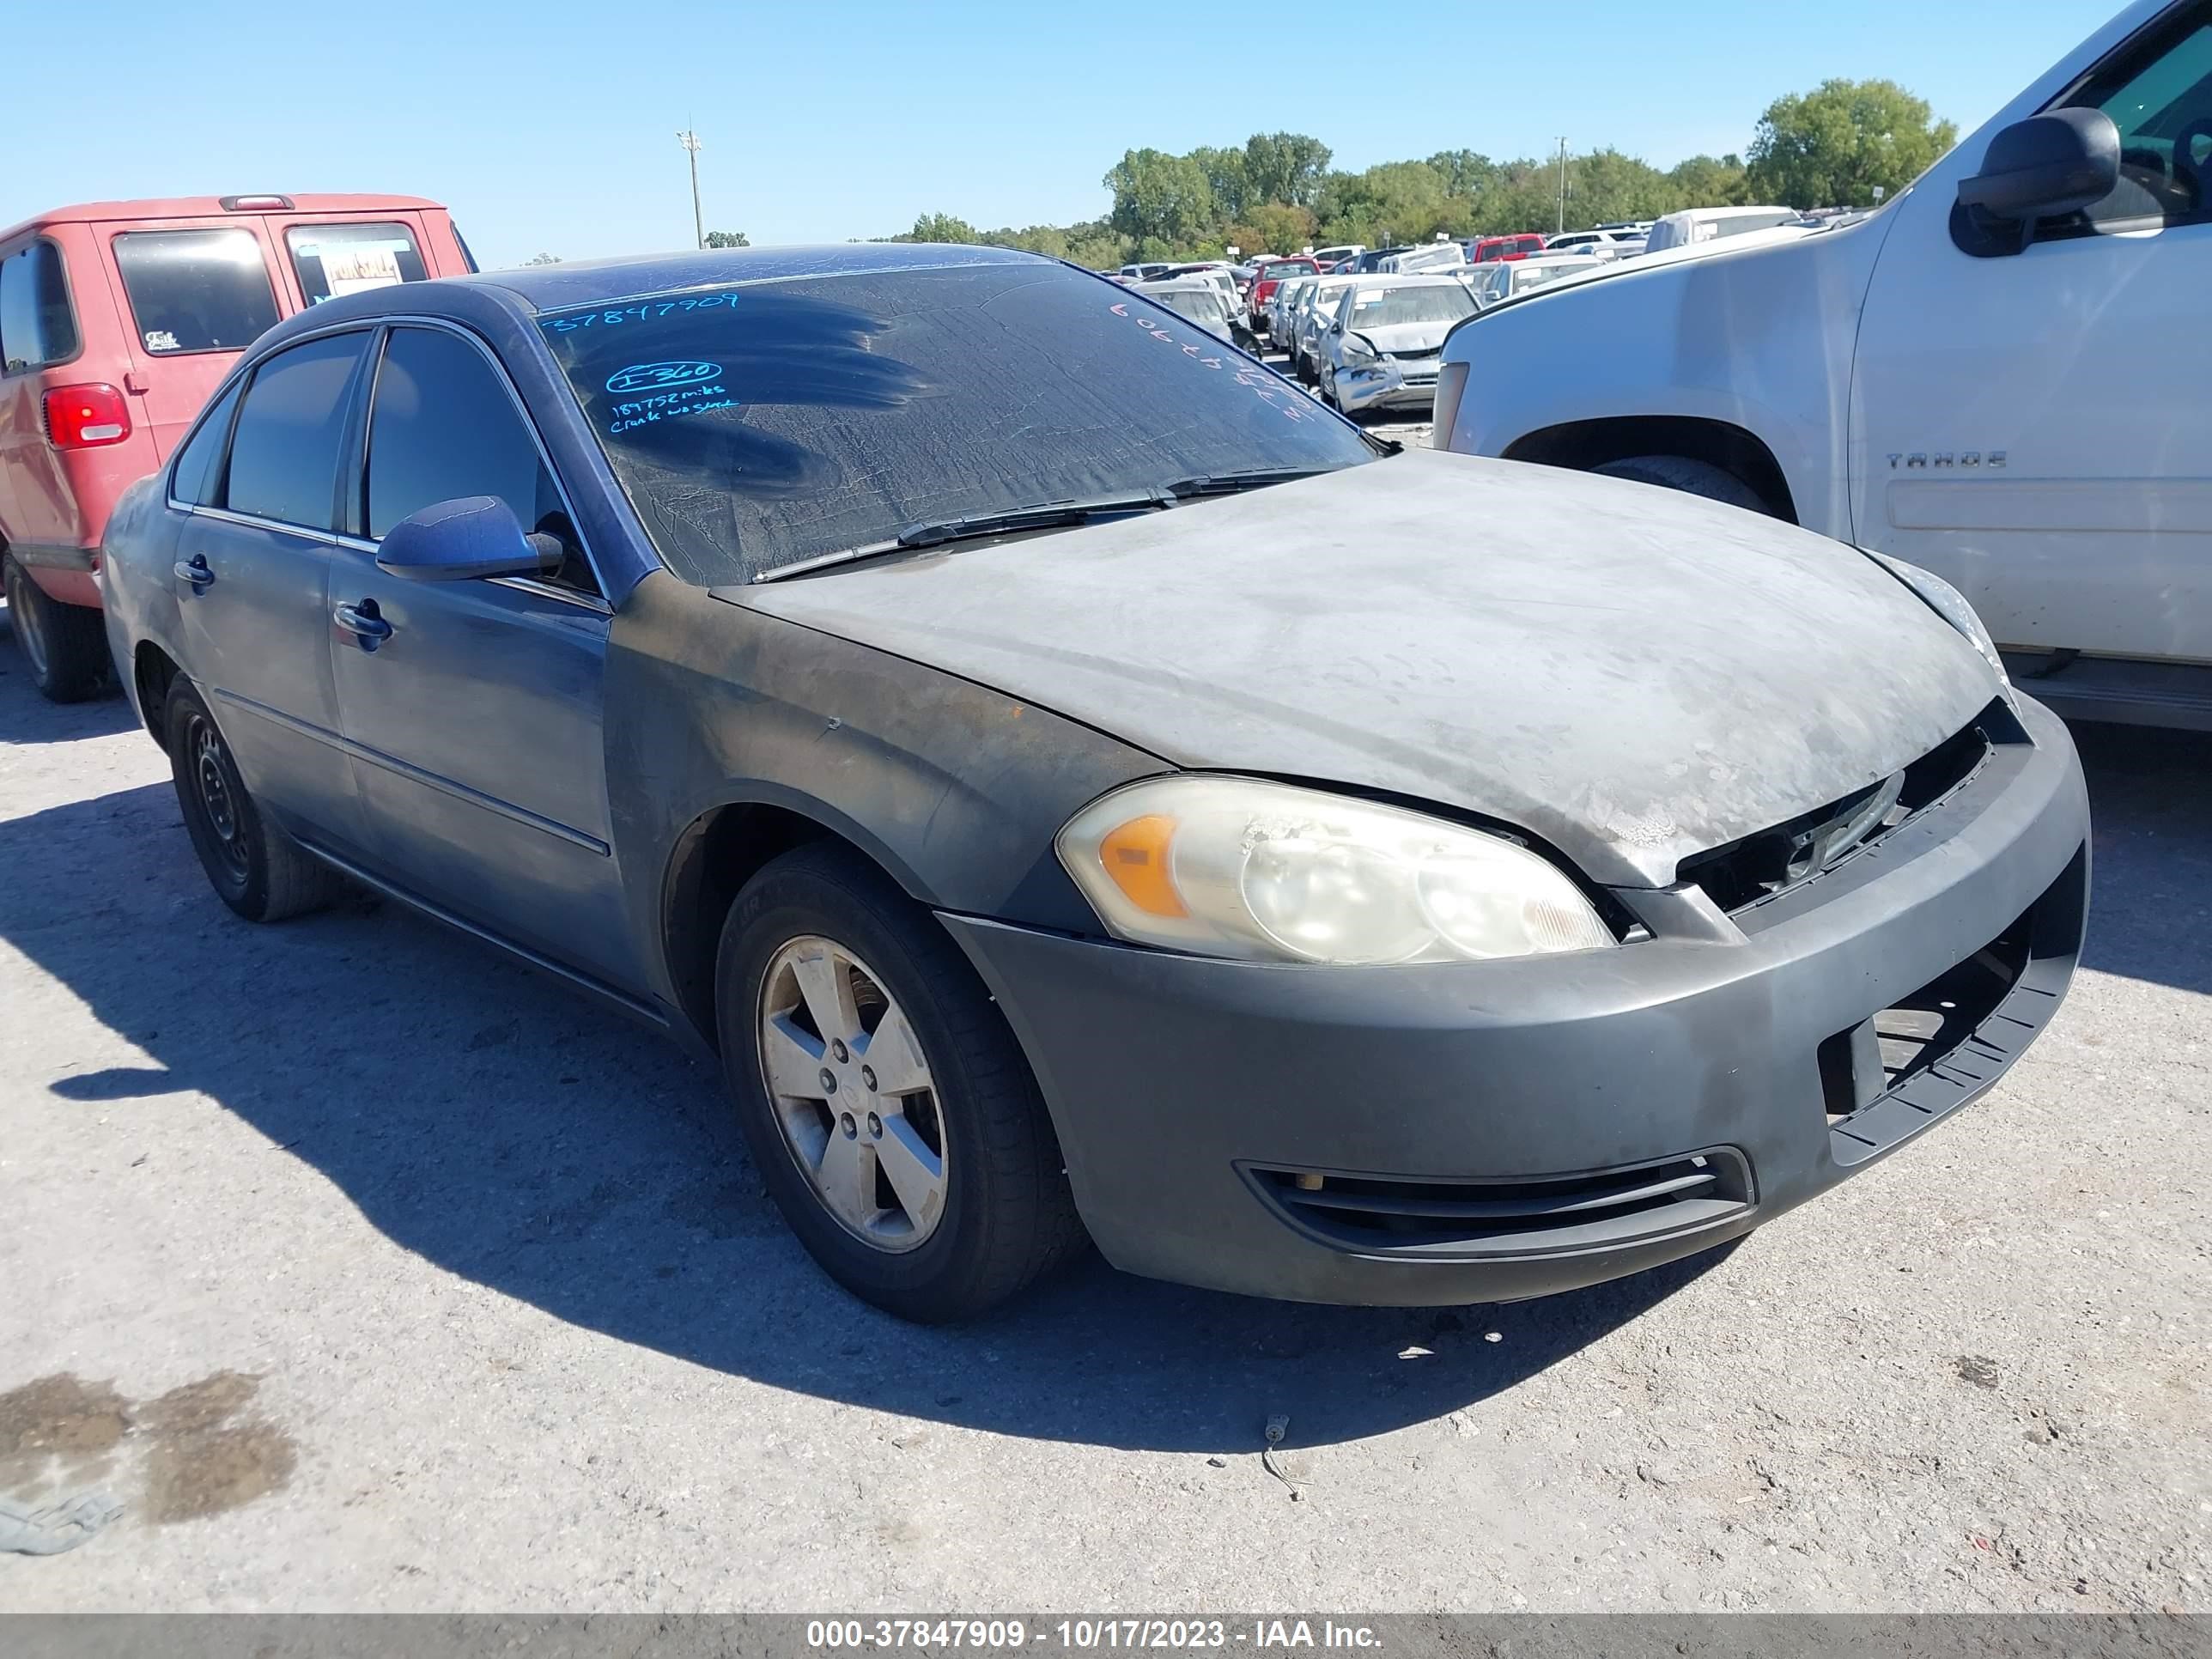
[1135, 855]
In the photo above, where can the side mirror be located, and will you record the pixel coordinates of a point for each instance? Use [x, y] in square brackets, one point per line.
[470, 537]
[2044, 168]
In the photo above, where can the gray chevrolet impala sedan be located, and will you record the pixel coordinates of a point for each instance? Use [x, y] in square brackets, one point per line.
[1077, 788]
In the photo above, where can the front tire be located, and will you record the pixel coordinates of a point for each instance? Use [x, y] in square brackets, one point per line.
[254, 868]
[64, 645]
[1691, 477]
[888, 1108]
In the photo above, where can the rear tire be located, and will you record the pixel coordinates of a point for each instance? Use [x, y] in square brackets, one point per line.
[254, 868]
[1691, 477]
[64, 645]
[996, 1213]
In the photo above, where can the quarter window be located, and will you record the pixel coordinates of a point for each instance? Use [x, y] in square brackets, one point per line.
[335, 259]
[199, 464]
[37, 326]
[2159, 92]
[284, 456]
[196, 291]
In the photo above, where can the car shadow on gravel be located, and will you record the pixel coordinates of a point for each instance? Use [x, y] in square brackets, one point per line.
[27, 717]
[2150, 883]
[500, 1127]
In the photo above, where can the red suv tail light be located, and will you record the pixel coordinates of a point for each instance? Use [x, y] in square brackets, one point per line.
[86, 417]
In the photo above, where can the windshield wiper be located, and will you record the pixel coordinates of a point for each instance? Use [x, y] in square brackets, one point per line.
[1045, 515]
[1228, 483]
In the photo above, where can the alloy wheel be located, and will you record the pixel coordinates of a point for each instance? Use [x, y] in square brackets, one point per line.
[852, 1092]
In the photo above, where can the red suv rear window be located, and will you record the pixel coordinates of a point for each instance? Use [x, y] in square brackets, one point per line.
[196, 291]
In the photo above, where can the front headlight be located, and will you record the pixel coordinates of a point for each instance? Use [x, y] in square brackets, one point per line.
[1268, 872]
[1948, 603]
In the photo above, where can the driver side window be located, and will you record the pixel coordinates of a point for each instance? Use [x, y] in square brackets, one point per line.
[2158, 91]
[443, 426]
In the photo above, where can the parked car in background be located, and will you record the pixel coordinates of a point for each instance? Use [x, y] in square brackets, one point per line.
[1341, 253]
[1497, 279]
[702, 631]
[1695, 225]
[1149, 270]
[2002, 375]
[117, 319]
[1269, 276]
[1224, 283]
[1598, 244]
[1483, 249]
[1425, 256]
[1315, 303]
[1195, 301]
[1279, 308]
[1378, 349]
[1373, 258]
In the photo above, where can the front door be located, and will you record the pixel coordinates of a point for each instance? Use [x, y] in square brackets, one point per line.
[2031, 426]
[473, 708]
[252, 578]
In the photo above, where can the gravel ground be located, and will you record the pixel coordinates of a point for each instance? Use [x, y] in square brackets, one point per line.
[371, 1273]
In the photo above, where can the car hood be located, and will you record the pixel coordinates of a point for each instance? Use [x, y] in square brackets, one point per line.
[1408, 336]
[1635, 675]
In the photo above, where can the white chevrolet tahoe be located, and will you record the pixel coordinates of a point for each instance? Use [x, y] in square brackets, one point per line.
[2004, 375]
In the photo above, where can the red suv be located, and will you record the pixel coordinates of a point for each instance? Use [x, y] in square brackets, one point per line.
[117, 319]
[1505, 247]
[1269, 275]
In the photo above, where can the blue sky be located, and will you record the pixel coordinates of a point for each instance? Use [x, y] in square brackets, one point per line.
[552, 126]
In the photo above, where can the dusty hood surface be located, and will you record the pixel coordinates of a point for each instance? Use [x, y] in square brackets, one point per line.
[1633, 674]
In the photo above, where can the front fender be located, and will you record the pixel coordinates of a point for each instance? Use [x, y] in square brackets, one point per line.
[1758, 337]
[955, 790]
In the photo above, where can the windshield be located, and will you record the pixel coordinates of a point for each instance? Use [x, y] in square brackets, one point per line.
[1527, 277]
[753, 426]
[1386, 307]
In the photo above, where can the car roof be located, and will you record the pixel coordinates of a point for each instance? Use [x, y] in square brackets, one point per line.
[211, 207]
[1178, 285]
[556, 288]
[1405, 278]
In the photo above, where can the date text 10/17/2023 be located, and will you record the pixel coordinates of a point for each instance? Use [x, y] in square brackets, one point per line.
[1086, 1634]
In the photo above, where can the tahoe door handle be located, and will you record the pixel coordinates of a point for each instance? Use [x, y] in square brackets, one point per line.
[194, 571]
[362, 620]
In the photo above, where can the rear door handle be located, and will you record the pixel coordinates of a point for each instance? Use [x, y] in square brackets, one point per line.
[362, 620]
[194, 571]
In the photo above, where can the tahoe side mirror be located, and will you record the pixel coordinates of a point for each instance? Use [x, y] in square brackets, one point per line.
[469, 537]
[2044, 167]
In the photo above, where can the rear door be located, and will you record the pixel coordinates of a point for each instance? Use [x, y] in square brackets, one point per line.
[473, 708]
[253, 577]
[194, 293]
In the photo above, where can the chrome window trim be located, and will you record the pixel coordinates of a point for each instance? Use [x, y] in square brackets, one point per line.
[370, 325]
[592, 602]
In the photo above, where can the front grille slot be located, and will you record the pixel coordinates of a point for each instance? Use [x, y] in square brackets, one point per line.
[1747, 873]
[1934, 1050]
[1575, 1211]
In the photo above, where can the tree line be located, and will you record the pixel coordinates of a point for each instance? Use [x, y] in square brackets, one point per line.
[1832, 147]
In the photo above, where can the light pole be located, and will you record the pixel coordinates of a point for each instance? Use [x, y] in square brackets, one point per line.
[690, 140]
[1562, 187]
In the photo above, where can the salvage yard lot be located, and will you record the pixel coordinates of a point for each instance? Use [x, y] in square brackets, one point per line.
[370, 1272]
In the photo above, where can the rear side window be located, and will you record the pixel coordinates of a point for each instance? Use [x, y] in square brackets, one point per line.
[37, 326]
[284, 455]
[443, 426]
[196, 291]
[199, 477]
[335, 259]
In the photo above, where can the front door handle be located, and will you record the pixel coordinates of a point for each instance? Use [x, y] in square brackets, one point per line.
[196, 571]
[362, 620]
